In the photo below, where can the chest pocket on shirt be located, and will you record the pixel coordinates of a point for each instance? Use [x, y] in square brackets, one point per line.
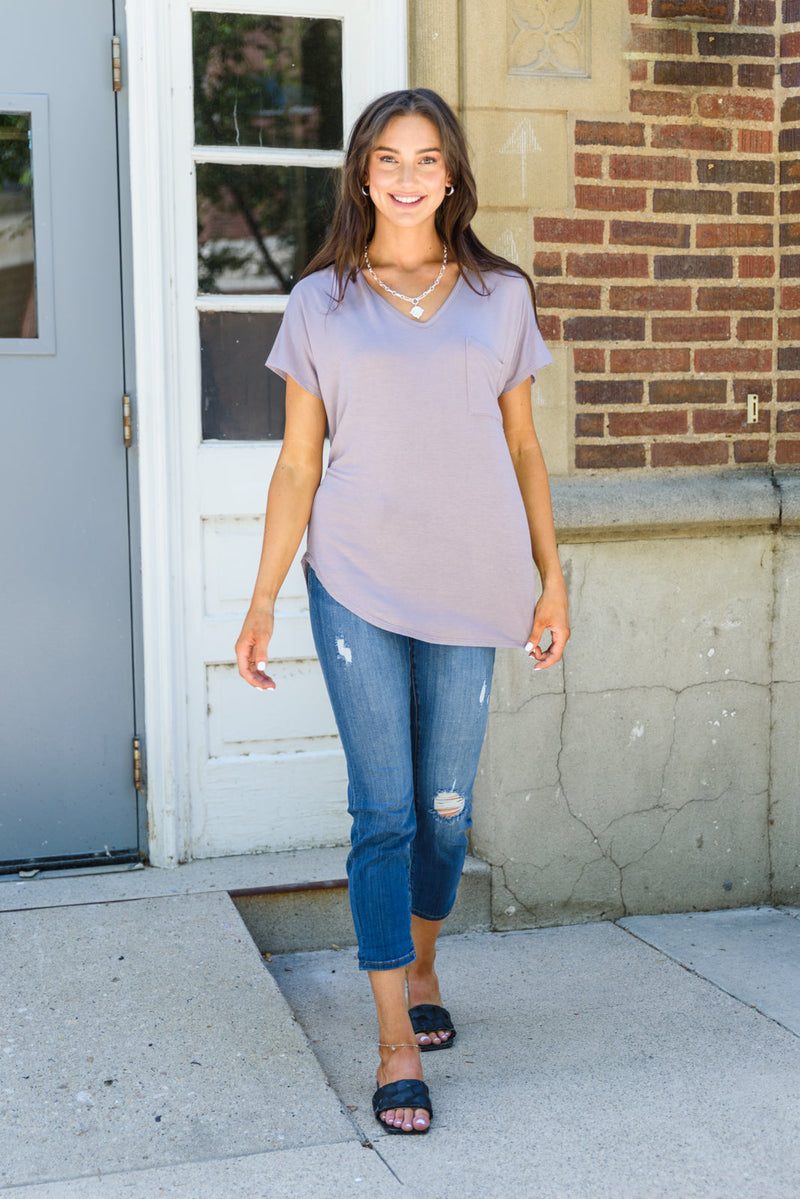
[484, 372]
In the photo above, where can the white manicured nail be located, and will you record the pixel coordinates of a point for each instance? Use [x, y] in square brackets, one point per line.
[529, 648]
[262, 666]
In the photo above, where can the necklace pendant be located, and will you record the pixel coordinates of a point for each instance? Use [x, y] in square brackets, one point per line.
[417, 311]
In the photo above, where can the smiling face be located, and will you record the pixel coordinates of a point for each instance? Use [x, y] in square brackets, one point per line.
[406, 171]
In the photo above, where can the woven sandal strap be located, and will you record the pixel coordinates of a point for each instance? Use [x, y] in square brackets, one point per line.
[408, 1092]
[429, 1017]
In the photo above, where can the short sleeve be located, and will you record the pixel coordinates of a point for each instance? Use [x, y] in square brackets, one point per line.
[292, 352]
[526, 352]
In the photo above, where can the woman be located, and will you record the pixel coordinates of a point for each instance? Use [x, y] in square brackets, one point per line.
[415, 345]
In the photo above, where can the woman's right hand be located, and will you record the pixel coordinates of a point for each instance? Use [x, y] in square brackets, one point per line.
[251, 648]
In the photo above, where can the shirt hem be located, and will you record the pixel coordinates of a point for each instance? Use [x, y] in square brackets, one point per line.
[405, 630]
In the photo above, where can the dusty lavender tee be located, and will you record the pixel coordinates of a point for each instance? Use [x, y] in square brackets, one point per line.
[418, 525]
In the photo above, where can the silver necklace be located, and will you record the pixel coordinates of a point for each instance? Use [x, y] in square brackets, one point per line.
[417, 309]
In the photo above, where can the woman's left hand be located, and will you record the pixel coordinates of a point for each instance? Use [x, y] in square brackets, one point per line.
[551, 616]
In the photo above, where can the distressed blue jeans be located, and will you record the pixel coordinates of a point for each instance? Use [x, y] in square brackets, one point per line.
[412, 718]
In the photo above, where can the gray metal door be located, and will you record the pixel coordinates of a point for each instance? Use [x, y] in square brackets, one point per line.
[67, 792]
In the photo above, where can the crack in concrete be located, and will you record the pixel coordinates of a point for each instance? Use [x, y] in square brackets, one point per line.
[532, 699]
[603, 837]
[646, 688]
[704, 978]
[676, 691]
[562, 793]
[601, 857]
[526, 907]
[672, 814]
[671, 750]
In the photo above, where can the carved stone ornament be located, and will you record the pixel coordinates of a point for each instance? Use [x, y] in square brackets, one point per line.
[549, 38]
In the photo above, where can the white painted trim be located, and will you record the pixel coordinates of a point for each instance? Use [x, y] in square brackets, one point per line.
[266, 156]
[241, 303]
[281, 8]
[159, 453]
[378, 42]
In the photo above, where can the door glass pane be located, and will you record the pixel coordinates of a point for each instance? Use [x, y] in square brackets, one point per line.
[17, 274]
[258, 226]
[242, 400]
[267, 81]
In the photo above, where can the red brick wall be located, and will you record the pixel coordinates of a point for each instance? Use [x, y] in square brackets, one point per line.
[677, 281]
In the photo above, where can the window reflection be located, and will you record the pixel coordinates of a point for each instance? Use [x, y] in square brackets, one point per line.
[258, 227]
[267, 81]
[17, 273]
[242, 400]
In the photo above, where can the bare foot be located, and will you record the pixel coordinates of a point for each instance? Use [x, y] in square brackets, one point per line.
[402, 1062]
[422, 986]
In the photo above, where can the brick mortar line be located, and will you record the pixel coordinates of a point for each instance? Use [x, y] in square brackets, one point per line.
[693, 57]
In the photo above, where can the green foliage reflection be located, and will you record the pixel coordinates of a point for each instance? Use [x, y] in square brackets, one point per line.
[266, 81]
[15, 161]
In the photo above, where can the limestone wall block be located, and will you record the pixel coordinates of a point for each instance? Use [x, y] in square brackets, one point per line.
[523, 54]
[520, 157]
[669, 613]
[637, 779]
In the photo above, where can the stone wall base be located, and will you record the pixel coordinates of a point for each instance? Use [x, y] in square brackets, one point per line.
[657, 769]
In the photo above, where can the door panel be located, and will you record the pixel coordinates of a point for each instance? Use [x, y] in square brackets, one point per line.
[66, 782]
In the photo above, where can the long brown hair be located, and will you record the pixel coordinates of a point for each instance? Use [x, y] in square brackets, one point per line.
[353, 222]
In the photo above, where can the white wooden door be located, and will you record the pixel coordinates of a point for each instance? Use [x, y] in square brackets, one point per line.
[264, 95]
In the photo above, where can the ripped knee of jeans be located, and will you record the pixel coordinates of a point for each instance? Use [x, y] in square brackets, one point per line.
[448, 804]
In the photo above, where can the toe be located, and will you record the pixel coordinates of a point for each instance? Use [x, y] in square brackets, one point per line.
[407, 1118]
[437, 1037]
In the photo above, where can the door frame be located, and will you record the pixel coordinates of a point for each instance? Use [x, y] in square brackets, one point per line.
[163, 415]
[130, 374]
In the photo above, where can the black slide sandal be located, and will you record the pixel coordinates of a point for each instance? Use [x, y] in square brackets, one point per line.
[430, 1018]
[407, 1092]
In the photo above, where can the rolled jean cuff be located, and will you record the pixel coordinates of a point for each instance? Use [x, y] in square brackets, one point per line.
[424, 915]
[406, 960]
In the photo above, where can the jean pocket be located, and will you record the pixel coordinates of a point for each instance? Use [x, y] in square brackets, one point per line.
[484, 372]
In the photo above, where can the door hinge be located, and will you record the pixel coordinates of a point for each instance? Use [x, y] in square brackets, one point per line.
[137, 764]
[127, 431]
[116, 64]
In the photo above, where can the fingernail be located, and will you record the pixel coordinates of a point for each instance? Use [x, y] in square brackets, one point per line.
[529, 648]
[262, 666]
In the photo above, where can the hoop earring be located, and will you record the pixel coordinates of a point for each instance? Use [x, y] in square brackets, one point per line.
[448, 191]
[364, 190]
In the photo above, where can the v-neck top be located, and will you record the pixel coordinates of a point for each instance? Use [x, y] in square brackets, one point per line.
[418, 525]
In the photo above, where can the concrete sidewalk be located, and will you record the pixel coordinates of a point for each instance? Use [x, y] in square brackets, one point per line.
[147, 1051]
